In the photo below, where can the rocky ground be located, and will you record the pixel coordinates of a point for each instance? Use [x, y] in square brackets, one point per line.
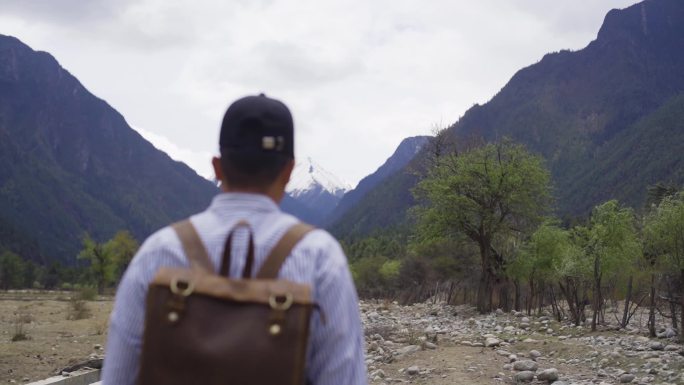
[418, 344]
[440, 344]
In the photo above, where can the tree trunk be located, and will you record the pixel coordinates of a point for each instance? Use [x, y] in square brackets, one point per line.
[571, 300]
[540, 298]
[597, 293]
[516, 283]
[673, 304]
[681, 302]
[651, 309]
[484, 292]
[628, 298]
[555, 305]
[530, 297]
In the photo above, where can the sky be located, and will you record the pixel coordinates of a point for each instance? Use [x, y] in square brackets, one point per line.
[358, 75]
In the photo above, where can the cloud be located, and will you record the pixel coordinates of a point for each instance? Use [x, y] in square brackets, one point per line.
[200, 161]
[358, 75]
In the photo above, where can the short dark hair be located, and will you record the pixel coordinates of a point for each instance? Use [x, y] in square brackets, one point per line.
[250, 169]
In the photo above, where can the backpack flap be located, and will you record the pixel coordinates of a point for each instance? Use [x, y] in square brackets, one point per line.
[205, 328]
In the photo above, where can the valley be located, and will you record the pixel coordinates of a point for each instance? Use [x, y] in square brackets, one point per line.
[425, 343]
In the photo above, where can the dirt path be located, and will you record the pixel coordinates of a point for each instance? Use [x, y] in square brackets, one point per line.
[456, 364]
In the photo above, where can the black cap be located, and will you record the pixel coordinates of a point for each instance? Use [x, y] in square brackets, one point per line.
[258, 124]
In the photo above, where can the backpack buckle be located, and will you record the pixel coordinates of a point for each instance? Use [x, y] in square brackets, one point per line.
[280, 302]
[182, 288]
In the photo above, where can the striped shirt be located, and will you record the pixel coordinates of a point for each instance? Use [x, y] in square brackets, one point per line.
[335, 351]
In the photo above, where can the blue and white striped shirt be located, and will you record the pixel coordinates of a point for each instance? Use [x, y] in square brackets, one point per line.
[335, 351]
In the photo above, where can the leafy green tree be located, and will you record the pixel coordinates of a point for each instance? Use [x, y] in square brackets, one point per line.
[483, 193]
[11, 270]
[611, 245]
[120, 250]
[101, 270]
[541, 260]
[664, 236]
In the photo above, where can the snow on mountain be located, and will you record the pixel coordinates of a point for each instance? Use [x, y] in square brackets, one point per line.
[309, 175]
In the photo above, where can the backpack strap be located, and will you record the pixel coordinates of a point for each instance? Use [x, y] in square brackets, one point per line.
[193, 246]
[228, 248]
[272, 264]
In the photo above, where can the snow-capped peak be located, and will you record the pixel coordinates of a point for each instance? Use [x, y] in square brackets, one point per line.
[308, 175]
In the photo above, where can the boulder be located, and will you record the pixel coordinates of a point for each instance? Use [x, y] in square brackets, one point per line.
[492, 342]
[525, 366]
[525, 376]
[549, 375]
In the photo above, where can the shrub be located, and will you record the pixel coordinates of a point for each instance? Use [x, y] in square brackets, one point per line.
[21, 318]
[78, 309]
[87, 293]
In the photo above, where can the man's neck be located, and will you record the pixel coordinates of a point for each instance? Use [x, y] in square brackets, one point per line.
[275, 194]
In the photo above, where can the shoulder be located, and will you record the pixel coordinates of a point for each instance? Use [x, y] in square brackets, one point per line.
[325, 249]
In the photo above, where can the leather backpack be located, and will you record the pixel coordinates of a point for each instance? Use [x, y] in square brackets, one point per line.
[206, 328]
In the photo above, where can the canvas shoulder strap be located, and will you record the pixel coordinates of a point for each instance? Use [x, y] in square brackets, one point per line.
[193, 246]
[271, 267]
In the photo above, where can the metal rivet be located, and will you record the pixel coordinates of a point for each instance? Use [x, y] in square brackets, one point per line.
[274, 329]
[173, 316]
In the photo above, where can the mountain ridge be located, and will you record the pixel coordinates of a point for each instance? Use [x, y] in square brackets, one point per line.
[574, 108]
[70, 164]
[402, 155]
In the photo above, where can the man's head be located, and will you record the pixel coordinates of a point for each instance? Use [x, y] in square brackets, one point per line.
[257, 146]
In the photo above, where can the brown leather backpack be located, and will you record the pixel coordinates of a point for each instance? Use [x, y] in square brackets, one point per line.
[205, 328]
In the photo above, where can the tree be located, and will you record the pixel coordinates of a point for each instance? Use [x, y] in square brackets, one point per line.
[664, 233]
[611, 244]
[541, 259]
[484, 193]
[101, 269]
[120, 249]
[11, 270]
[108, 260]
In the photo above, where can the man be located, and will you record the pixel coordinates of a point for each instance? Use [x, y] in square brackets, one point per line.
[257, 158]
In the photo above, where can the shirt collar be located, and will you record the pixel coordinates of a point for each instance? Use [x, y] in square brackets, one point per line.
[258, 202]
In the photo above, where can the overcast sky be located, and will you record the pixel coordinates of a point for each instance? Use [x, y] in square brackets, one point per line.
[358, 75]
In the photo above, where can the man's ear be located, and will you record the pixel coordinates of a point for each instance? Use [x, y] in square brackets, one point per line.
[218, 169]
[287, 171]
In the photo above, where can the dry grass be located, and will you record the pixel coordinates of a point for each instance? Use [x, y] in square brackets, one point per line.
[78, 309]
[21, 318]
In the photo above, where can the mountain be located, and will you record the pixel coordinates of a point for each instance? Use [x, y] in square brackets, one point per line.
[606, 118]
[300, 210]
[315, 190]
[70, 164]
[406, 151]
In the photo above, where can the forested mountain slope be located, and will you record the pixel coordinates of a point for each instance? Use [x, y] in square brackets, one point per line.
[600, 116]
[70, 164]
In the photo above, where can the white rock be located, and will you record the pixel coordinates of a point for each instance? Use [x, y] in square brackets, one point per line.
[406, 350]
[429, 345]
[525, 365]
[549, 375]
[525, 376]
[656, 345]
